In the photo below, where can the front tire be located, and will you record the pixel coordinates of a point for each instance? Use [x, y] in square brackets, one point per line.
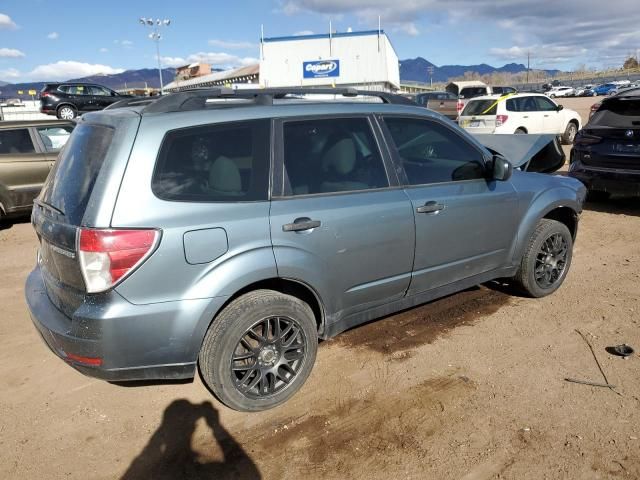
[259, 351]
[546, 259]
[66, 112]
[520, 131]
[569, 133]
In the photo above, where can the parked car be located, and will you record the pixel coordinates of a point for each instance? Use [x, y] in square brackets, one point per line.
[442, 102]
[606, 153]
[629, 90]
[585, 91]
[622, 88]
[233, 229]
[520, 113]
[560, 92]
[28, 150]
[68, 100]
[604, 88]
[467, 90]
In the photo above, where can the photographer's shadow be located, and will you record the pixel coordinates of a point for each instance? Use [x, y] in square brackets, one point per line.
[169, 455]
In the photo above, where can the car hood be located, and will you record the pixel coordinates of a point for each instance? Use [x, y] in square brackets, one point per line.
[533, 153]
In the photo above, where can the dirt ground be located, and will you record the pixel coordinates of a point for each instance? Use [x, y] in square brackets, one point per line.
[468, 387]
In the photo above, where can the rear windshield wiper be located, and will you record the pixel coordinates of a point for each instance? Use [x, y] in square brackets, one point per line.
[47, 206]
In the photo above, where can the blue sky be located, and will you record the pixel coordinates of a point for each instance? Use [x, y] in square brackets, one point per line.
[41, 42]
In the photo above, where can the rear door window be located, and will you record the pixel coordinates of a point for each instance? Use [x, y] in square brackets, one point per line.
[481, 107]
[71, 181]
[226, 162]
[331, 155]
[16, 141]
[54, 137]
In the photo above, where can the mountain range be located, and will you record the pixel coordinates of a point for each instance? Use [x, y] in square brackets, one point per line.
[413, 69]
[417, 70]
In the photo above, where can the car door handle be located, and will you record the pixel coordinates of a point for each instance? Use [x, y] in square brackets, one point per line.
[526, 116]
[430, 207]
[301, 224]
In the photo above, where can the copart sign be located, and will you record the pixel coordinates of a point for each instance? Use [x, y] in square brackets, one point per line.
[321, 69]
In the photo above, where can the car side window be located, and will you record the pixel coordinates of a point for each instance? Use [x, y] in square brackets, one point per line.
[78, 90]
[545, 105]
[214, 163]
[331, 155]
[99, 91]
[16, 141]
[54, 138]
[433, 153]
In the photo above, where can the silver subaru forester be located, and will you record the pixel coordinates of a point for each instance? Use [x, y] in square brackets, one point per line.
[232, 230]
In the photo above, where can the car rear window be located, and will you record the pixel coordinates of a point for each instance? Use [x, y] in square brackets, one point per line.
[617, 112]
[480, 107]
[226, 162]
[471, 92]
[71, 181]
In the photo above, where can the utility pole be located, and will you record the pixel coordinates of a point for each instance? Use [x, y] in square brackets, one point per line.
[430, 71]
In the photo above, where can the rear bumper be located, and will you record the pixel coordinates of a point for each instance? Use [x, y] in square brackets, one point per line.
[132, 342]
[626, 182]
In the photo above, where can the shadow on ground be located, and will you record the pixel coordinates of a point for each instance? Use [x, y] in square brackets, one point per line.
[616, 205]
[170, 454]
[7, 223]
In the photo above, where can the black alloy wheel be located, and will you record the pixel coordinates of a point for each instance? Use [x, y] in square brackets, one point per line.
[268, 357]
[551, 261]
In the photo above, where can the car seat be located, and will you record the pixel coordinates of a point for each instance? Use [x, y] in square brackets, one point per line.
[338, 165]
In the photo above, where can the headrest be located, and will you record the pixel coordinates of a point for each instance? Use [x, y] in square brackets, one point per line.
[224, 176]
[341, 157]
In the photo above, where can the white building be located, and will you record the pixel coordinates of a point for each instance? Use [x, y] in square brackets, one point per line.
[363, 60]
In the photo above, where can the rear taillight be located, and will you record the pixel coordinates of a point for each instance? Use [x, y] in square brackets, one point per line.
[459, 106]
[583, 138]
[594, 108]
[107, 256]
[501, 120]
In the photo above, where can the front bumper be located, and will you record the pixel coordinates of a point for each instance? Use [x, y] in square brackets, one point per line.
[617, 181]
[133, 342]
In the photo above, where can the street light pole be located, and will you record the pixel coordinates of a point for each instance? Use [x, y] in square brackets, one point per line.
[155, 36]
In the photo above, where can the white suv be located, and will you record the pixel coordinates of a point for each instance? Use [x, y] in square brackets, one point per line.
[520, 113]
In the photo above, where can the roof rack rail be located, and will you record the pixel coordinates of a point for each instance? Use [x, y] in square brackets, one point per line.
[131, 102]
[196, 99]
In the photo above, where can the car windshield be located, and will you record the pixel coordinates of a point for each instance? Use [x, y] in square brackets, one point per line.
[618, 112]
[481, 107]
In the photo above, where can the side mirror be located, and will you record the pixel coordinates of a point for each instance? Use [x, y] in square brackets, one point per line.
[501, 169]
[559, 107]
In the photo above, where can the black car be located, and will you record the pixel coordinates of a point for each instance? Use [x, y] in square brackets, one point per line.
[606, 152]
[68, 100]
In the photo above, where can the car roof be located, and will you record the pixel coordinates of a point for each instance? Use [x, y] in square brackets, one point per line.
[32, 123]
[513, 95]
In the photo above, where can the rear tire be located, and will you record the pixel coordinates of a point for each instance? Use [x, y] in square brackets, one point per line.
[259, 350]
[546, 259]
[569, 133]
[520, 131]
[66, 112]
